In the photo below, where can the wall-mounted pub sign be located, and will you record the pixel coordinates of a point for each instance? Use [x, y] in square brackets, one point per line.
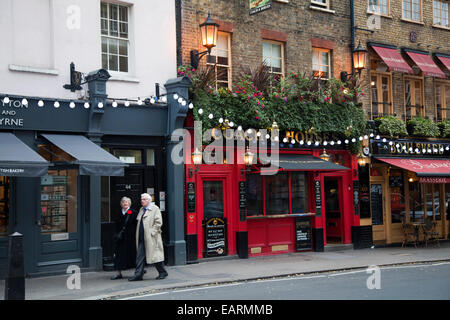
[259, 5]
[303, 234]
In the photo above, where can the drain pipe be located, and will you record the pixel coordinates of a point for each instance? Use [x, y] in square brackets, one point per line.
[352, 29]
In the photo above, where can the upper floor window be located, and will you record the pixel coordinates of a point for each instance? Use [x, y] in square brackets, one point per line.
[273, 57]
[321, 62]
[413, 98]
[380, 85]
[115, 37]
[440, 13]
[412, 10]
[325, 4]
[220, 59]
[379, 7]
[442, 96]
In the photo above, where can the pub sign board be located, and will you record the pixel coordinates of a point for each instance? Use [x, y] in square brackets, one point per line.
[215, 231]
[318, 197]
[259, 5]
[303, 240]
[191, 196]
[242, 200]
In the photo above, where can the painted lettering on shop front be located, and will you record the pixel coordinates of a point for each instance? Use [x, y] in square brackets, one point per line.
[411, 147]
[9, 110]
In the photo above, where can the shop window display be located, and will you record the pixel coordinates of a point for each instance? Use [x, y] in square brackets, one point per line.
[396, 186]
[277, 194]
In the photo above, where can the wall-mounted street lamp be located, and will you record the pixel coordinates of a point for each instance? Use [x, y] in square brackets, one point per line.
[208, 30]
[248, 161]
[362, 159]
[359, 56]
[197, 160]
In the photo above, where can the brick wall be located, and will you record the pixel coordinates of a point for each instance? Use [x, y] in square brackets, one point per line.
[396, 31]
[295, 23]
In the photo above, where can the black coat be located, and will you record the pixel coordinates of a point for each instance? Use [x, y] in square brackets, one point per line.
[125, 247]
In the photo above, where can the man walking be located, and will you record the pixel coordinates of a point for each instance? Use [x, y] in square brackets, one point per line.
[148, 239]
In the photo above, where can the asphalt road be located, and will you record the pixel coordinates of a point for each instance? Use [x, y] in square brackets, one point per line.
[406, 282]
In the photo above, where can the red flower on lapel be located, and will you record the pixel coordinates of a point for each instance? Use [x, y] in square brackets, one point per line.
[129, 212]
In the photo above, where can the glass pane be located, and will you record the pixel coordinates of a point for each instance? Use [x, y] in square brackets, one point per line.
[123, 48]
[277, 194]
[416, 202]
[212, 199]
[374, 92]
[437, 207]
[376, 203]
[222, 60]
[123, 30]
[267, 52]
[222, 42]
[276, 63]
[4, 206]
[447, 201]
[397, 196]
[299, 192]
[113, 46]
[276, 51]
[59, 201]
[408, 98]
[105, 61]
[113, 28]
[150, 157]
[104, 10]
[123, 14]
[128, 156]
[113, 63]
[222, 73]
[104, 26]
[254, 195]
[211, 59]
[324, 58]
[439, 101]
[104, 45]
[123, 64]
[113, 12]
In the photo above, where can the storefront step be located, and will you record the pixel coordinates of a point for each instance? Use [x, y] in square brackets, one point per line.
[338, 247]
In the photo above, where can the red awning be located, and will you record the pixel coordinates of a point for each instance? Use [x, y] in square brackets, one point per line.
[426, 64]
[422, 167]
[393, 59]
[445, 61]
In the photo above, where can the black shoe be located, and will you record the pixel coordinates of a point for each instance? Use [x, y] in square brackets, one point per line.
[162, 276]
[117, 276]
[135, 278]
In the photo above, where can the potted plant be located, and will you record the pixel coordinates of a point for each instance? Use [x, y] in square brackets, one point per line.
[422, 127]
[391, 126]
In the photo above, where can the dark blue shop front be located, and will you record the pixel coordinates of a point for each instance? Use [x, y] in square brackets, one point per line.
[65, 165]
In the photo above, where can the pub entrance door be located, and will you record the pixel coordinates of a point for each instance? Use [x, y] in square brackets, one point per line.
[379, 207]
[334, 210]
[216, 224]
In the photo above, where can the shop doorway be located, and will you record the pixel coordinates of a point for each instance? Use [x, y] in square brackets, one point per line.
[378, 190]
[130, 185]
[334, 211]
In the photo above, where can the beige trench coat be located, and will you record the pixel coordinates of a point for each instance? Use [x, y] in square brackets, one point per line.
[152, 220]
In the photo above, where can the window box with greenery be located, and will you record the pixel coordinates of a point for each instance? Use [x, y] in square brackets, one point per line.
[391, 126]
[295, 102]
[422, 127]
[444, 128]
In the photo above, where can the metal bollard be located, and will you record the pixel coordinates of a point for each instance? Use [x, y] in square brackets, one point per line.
[15, 273]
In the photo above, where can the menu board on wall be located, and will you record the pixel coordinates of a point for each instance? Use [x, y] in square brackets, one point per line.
[191, 196]
[242, 200]
[318, 197]
[303, 234]
[215, 237]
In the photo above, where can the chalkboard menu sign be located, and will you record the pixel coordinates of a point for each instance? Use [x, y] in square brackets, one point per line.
[376, 201]
[242, 200]
[215, 237]
[396, 181]
[364, 191]
[318, 197]
[191, 196]
[303, 233]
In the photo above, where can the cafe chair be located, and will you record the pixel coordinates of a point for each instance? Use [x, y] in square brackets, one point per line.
[429, 232]
[409, 233]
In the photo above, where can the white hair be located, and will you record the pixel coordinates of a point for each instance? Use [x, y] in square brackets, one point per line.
[146, 196]
[126, 199]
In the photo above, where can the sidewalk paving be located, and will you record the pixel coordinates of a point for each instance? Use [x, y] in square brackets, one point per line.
[97, 285]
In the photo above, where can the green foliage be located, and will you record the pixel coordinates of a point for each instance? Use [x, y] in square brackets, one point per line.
[295, 103]
[423, 127]
[444, 126]
[390, 125]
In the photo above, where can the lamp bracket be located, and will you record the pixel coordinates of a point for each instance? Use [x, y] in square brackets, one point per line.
[197, 56]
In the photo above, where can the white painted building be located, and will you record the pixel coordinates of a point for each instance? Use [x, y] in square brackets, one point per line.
[134, 40]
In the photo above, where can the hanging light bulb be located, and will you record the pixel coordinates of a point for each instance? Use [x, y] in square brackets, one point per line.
[40, 103]
[6, 100]
[72, 104]
[139, 102]
[86, 105]
[191, 106]
[56, 104]
[175, 96]
[127, 103]
[200, 111]
[114, 104]
[164, 99]
[210, 116]
[24, 102]
[302, 142]
[152, 100]
[339, 142]
[100, 105]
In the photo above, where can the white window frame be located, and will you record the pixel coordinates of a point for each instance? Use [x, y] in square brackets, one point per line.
[411, 18]
[282, 56]
[320, 4]
[377, 8]
[441, 18]
[118, 37]
[319, 51]
[229, 73]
